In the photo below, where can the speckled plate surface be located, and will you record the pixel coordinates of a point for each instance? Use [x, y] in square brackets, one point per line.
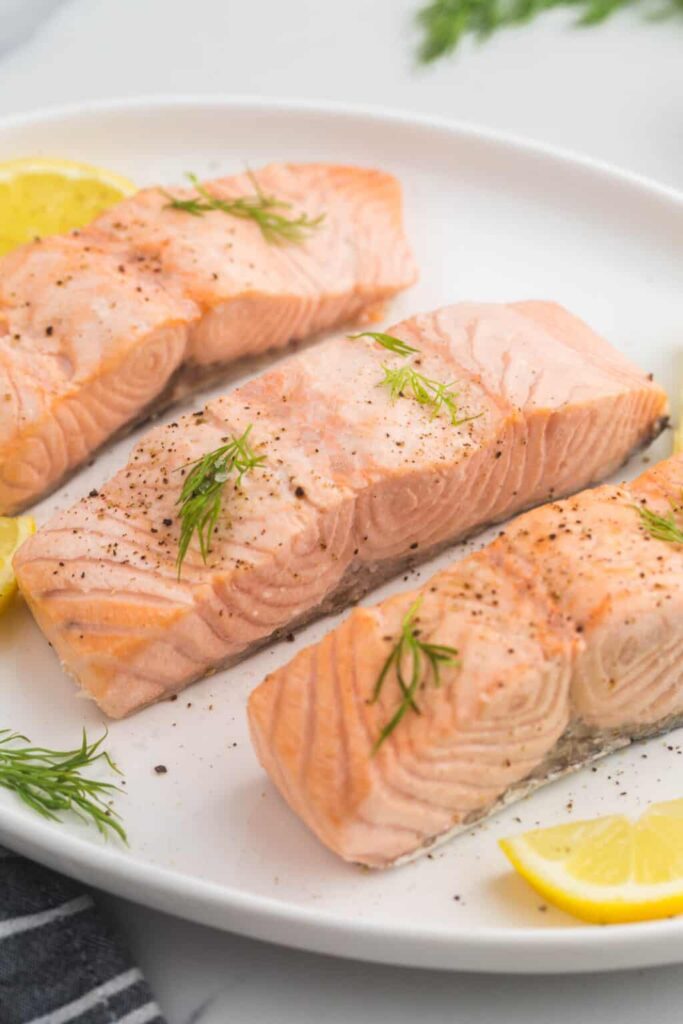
[490, 218]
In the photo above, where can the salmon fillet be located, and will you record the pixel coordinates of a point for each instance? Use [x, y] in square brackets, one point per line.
[354, 487]
[101, 327]
[569, 632]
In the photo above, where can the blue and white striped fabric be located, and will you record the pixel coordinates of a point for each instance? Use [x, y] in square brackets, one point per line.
[60, 962]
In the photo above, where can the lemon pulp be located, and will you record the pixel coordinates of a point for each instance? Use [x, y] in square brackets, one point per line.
[13, 533]
[40, 196]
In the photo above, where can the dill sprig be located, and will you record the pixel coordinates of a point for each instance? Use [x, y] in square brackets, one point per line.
[387, 341]
[446, 22]
[407, 659]
[50, 781]
[261, 208]
[202, 492]
[661, 527]
[402, 381]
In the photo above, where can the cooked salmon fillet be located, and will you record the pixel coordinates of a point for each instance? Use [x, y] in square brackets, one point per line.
[569, 633]
[354, 487]
[101, 327]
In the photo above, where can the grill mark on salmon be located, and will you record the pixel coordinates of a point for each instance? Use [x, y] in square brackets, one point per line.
[354, 488]
[103, 327]
[570, 638]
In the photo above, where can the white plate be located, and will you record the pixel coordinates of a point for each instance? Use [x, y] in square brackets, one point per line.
[490, 218]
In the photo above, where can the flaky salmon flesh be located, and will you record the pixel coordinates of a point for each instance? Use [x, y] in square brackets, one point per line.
[354, 486]
[101, 327]
[569, 637]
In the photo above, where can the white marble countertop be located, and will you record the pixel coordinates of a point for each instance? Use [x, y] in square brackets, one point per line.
[616, 93]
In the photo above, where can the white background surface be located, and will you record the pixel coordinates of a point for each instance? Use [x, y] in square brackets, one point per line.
[615, 93]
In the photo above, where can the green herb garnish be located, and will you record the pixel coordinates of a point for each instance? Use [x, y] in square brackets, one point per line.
[406, 658]
[50, 781]
[661, 527]
[388, 341]
[403, 381]
[446, 22]
[201, 496]
[261, 208]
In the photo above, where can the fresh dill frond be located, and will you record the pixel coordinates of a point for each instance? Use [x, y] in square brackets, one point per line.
[388, 341]
[445, 22]
[663, 528]
[263, 209]
[51, 781]
[408, 658]
[202, 491]
[405, 381]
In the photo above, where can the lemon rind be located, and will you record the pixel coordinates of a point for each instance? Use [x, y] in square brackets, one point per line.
[630, 901]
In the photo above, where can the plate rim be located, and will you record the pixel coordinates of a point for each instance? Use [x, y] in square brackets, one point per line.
[377, 112]
[519, 949]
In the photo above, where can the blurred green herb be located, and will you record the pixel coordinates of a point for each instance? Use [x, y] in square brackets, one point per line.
[387, 341]
[445, 23]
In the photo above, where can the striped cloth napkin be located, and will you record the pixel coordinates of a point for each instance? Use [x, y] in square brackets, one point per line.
[60, 962]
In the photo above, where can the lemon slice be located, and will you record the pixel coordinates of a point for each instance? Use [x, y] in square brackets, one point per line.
[607, 870]
[47, 197]
[13, 533]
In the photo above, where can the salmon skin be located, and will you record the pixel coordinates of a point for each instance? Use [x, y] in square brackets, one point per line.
[354, 487]
[101, 327]
[569, 635]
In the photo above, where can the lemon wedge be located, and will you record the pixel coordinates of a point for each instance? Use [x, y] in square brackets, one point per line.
[13, 533]
[608, 870]
[40, 196]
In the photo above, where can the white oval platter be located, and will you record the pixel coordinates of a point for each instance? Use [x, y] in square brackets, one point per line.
[491, 219]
